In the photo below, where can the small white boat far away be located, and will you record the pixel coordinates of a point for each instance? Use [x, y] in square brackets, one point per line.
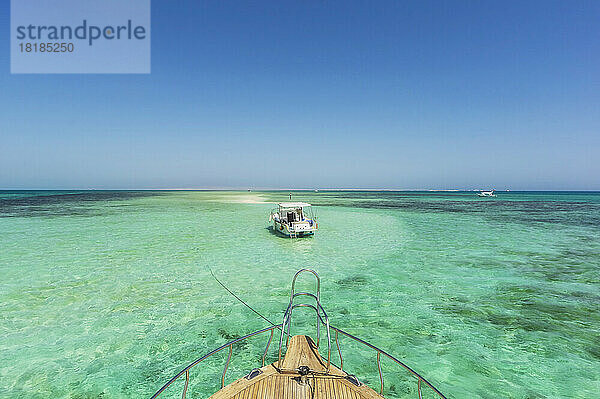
[486, 193]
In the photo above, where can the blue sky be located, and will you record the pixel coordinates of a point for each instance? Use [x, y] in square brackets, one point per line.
[347, 94]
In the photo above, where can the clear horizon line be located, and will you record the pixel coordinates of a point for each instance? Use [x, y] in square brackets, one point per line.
[292, 189]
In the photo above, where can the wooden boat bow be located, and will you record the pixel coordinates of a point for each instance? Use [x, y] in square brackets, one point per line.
[301, 373]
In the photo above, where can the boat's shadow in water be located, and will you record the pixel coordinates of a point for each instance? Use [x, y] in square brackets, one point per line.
[274, 232]
[282, 236]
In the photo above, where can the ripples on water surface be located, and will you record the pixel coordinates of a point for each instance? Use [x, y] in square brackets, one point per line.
[107, 294]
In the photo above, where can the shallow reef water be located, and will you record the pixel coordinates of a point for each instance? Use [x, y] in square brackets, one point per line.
[107, 294]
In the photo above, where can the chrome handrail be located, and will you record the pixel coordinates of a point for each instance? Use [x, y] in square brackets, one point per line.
[379, 352]
[317, 298]
[186, 370]
[287, 316]
[324, 319]
[384, 353]
[229, 345]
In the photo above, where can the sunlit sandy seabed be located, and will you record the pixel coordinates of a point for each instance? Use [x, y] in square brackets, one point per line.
[108, 295]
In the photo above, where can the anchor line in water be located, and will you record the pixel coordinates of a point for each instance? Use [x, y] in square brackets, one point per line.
[238, 298]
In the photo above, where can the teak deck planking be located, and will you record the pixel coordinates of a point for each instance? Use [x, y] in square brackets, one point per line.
[283, 384]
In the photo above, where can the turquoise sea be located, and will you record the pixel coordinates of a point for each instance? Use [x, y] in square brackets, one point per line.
[108, 294]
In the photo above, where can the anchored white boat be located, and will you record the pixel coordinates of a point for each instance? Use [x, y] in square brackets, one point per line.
[294, 219]
[486, 193]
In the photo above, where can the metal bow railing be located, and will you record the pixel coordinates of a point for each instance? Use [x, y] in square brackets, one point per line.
[186, 371]
[321, 315]
[229, 345]
[420, 379]
[285, 327]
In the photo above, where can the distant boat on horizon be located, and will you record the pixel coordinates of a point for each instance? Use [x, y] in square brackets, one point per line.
[486, 193]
